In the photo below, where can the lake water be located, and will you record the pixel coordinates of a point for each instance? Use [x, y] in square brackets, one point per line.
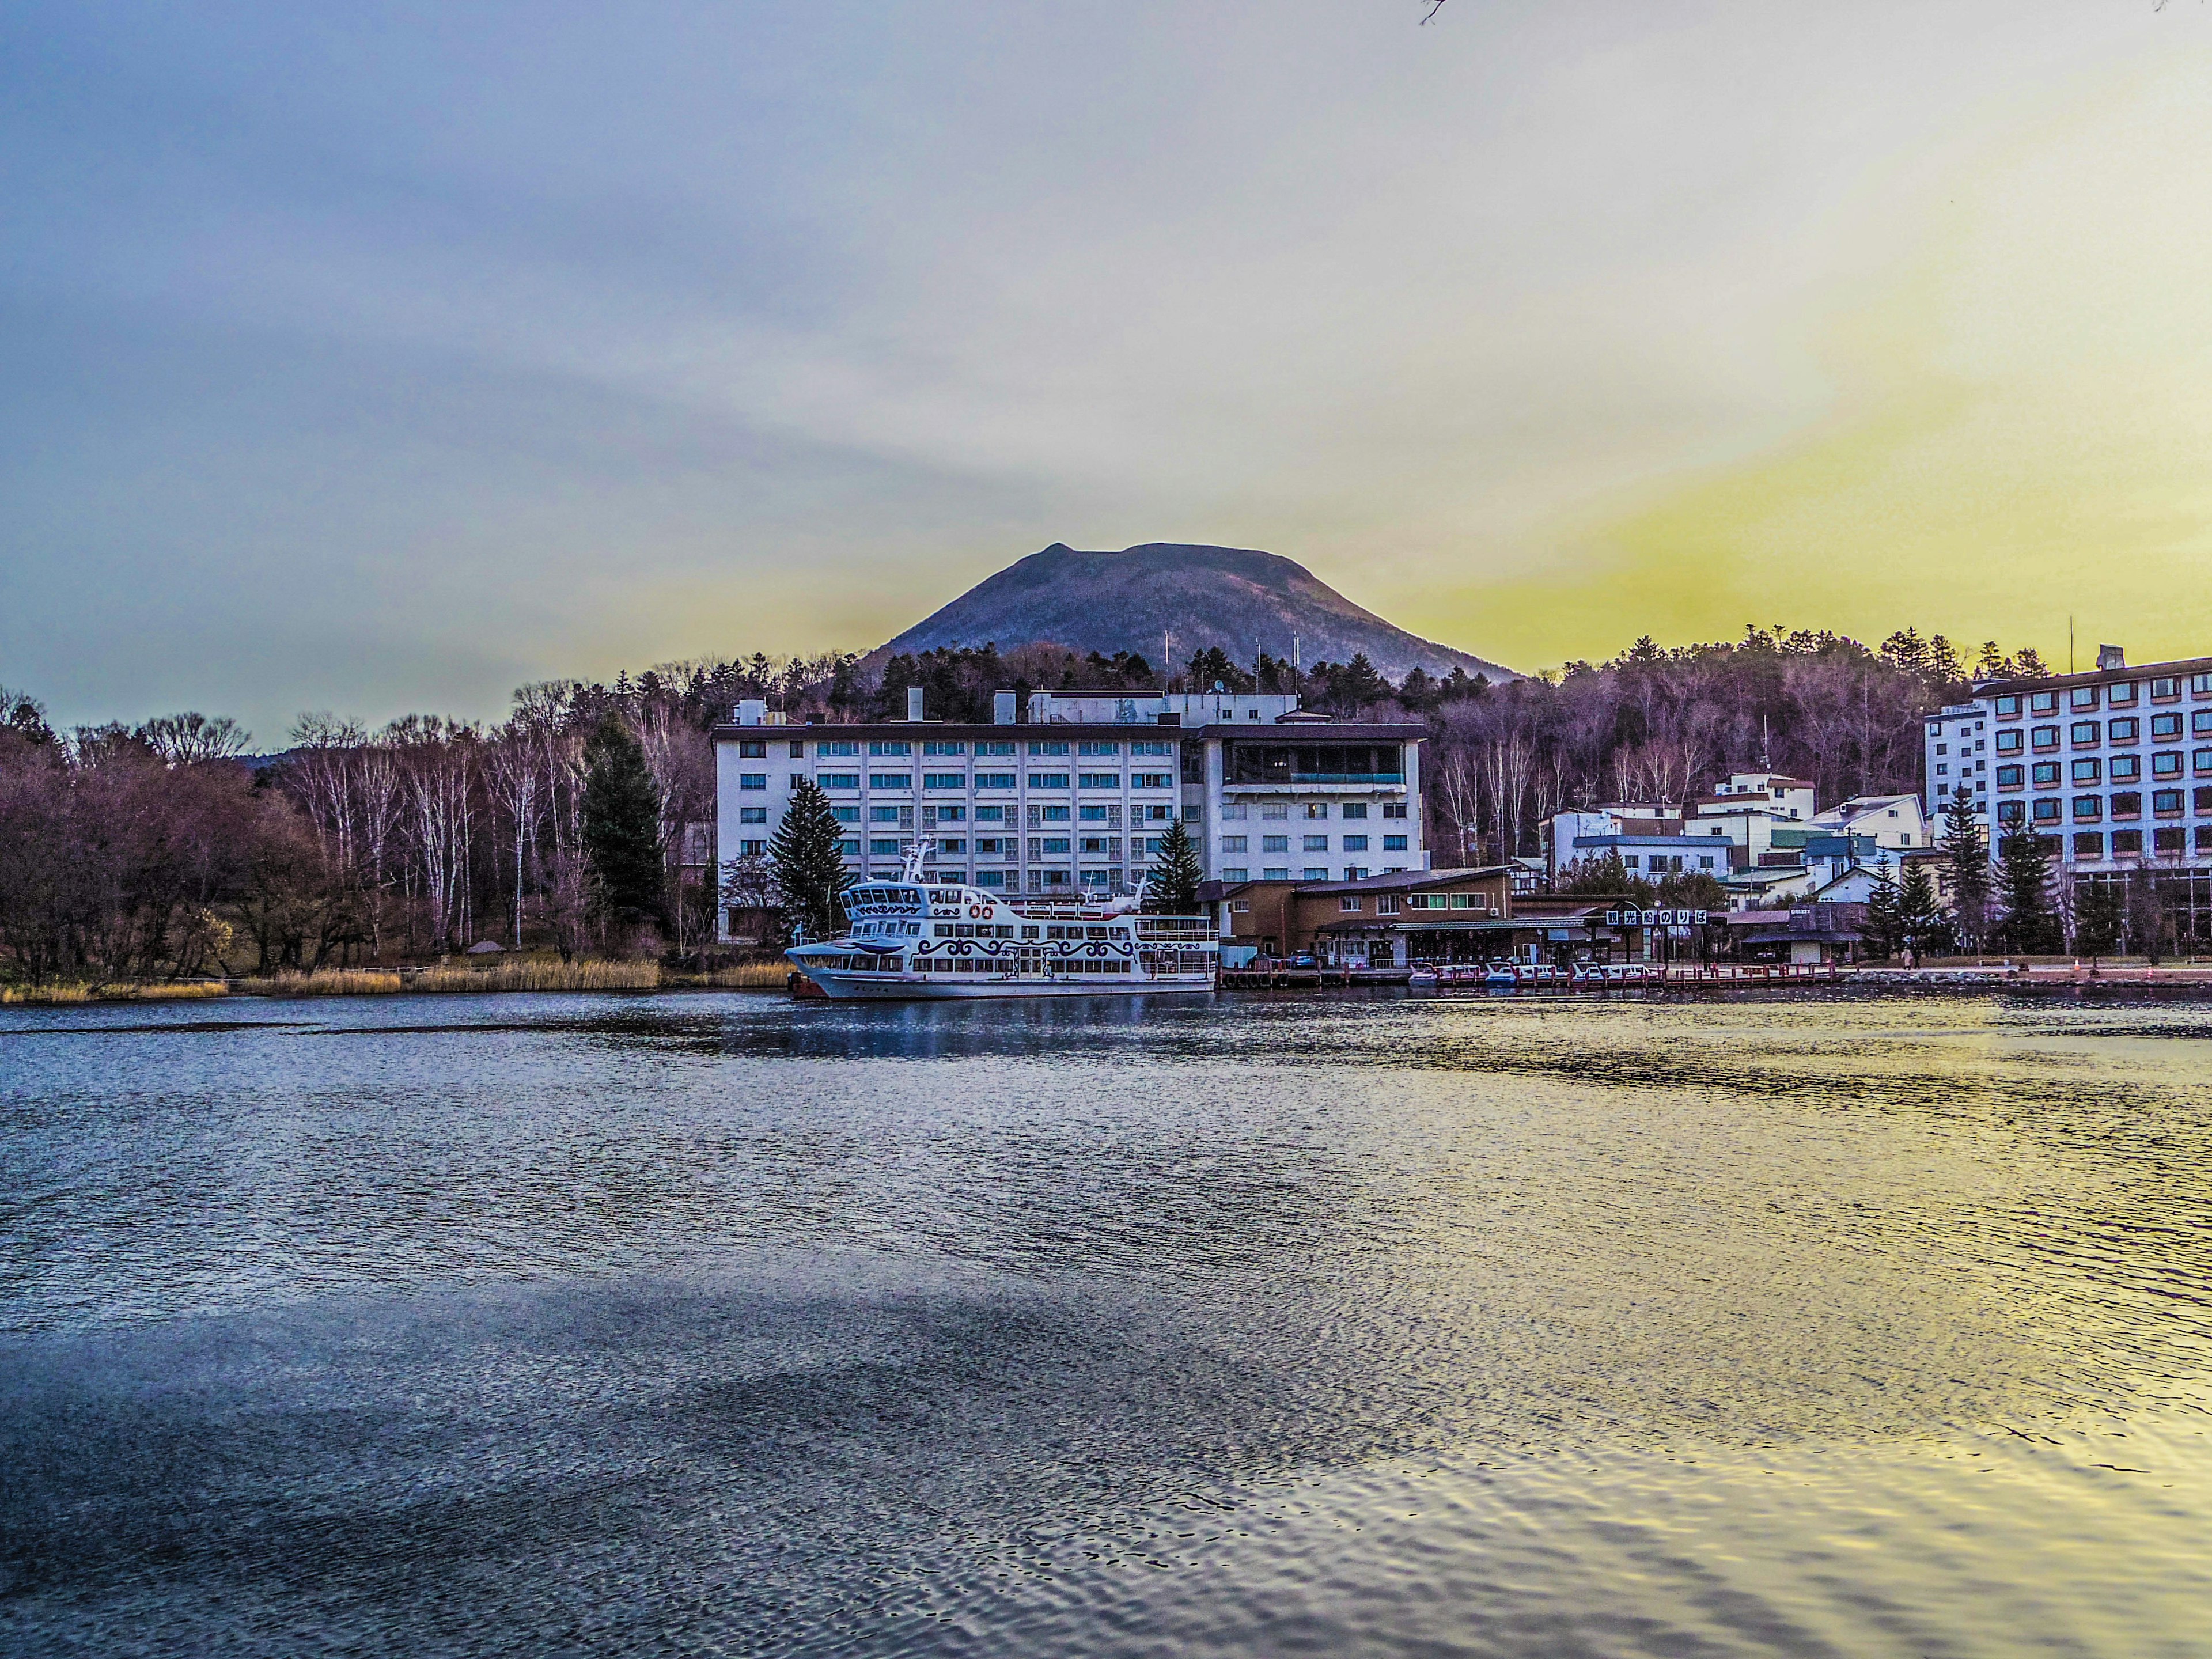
[1261, 1326]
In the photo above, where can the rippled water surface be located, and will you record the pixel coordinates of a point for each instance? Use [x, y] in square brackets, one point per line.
[704, 1324]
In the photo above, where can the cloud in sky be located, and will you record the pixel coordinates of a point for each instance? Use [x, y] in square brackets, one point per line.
[381, 357]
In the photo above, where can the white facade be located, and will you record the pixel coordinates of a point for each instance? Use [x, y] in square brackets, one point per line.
[1577, 832]
[1748, 809]
[1896, 821]
[1774, 791]
[2114, 765]
[1075, 799]
[1957, 741]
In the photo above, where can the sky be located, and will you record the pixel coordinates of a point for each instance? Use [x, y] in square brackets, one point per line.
[384, 357]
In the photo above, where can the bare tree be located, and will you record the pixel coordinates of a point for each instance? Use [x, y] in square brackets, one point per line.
[437, 768]
[189, 739]
[1457, 799]
[511, 770]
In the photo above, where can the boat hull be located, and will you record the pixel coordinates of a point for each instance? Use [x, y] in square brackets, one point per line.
[841, 987]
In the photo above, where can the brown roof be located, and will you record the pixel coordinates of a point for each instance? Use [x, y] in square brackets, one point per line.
[2097, 677]
[1293, 733]
[1401, 881]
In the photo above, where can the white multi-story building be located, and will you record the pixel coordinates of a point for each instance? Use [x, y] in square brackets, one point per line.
[1075, 797]
[2115, 766]
[1958, 746]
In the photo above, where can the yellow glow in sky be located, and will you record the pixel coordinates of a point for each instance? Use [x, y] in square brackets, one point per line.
[2021, 429]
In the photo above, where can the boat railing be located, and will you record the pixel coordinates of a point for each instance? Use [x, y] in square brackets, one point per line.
[1175, 927]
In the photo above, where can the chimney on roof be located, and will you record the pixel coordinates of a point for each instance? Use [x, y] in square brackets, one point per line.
[2109, 657]
[914, 702]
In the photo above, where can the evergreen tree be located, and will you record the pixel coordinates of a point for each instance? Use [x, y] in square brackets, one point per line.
[810, 873]
[1967, 850]
[2100, 916]
[1214, 666]
[1176, 872]
[1919, 911]
[1595, 877]
[2024, 878]
[1355, 685]
[1695, 889]
[1885, 922]
[622, 824]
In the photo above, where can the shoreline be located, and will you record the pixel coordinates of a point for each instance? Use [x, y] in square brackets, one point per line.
[427, 980]
[2134, 981]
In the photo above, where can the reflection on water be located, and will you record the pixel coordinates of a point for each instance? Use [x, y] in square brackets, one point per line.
[1256, 1325]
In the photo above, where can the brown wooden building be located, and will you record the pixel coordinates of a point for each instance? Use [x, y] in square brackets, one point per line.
[1380, 920]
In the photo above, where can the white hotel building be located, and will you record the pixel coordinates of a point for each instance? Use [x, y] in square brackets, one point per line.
[1074, 798]
[2114, 766]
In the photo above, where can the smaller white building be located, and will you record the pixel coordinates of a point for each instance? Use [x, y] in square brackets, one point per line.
[1747, 809]
[1588, 831]
[1896, 821]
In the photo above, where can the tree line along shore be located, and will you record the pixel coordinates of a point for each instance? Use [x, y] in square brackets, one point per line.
[578, 829]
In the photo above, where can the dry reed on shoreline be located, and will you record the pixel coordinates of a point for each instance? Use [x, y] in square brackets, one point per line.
[742, 977]
[44, 995]
[543, 976]
[324, 983]
[177, 990]
[189, 990]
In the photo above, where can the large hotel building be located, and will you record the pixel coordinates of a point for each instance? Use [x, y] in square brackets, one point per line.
[2114, 766]
[1070, 793]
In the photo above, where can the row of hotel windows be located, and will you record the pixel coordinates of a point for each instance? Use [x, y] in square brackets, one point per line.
[1311, 843]
[757, 748]
[1236, 872]
[1235, 811]
[2121, 695]
[2128, 804]
[987, 850]
[2088, 734]
[959, 780]
[2090, 844]
[2122, 769]
[1007, 847]
[903, 816]
[988, 846]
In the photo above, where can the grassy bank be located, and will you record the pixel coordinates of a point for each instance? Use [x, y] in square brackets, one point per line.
[517, 974]
[532, 973]
[744, 977]
[189, 990]
[324, 983]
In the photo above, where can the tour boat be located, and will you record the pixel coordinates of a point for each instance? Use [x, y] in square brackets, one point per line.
[913, 937]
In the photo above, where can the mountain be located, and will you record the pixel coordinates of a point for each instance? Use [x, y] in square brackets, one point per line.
[1240, 600]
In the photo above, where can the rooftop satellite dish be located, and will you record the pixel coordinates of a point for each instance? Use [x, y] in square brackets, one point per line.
[1220, 686]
